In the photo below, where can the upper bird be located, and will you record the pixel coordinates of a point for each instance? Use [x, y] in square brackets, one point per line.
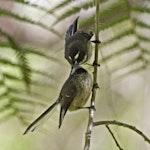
[78, 48]
[73, 95]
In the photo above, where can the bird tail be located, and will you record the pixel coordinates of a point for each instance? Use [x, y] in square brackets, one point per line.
[41, 119]
[72, 29]
[62, 115]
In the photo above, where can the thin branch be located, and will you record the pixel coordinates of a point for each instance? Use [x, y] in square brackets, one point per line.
[95, 85]
[133, 128]
[117, 143]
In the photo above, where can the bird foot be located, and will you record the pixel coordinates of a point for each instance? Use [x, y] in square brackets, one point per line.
[90, 107]
[96, 41]
[96, 86]
[96, 64]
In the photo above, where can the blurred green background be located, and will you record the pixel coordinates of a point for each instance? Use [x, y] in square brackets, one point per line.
[33, 70]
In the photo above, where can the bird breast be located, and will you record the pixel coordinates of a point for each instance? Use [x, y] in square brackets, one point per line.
[84, 90]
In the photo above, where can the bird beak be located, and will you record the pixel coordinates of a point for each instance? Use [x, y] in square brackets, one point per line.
[91, 34]
[74, 68]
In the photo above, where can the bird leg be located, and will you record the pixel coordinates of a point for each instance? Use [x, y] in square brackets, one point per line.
[95, 64]
[90, 107]
[96, 41]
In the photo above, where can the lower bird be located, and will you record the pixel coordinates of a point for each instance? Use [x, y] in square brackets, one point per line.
[73, 95]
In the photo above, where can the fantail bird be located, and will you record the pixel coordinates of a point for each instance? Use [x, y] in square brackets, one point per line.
[73, 95]
[78, 48]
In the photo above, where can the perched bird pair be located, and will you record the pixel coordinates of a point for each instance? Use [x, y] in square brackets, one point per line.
[77, 88]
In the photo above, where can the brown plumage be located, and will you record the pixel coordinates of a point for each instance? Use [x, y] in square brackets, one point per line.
[73, 95]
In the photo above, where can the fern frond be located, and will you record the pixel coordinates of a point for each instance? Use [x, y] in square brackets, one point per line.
[74, 10]
[23, 62]
[123, 19]
[120, 52]
[13, 15]
[60, 5]
[28, 4]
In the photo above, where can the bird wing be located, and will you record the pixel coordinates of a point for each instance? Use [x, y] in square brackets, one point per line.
[67, 95]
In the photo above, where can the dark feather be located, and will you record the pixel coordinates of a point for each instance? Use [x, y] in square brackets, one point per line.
[72, 29]
[41, 119]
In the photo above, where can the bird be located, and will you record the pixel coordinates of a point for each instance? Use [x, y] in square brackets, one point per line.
[78, 49]
[74, 94]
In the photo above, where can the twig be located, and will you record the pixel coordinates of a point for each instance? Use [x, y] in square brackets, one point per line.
[95, 85]
[117, 143]
[133, 128]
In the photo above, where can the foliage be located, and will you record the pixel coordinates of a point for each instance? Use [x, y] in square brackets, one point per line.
[124, 33]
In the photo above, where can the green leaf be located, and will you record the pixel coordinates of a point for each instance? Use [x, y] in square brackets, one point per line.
[21, 55]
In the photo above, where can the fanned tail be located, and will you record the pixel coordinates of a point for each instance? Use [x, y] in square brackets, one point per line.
[41, 119]
[62, 115]
[72, 29]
